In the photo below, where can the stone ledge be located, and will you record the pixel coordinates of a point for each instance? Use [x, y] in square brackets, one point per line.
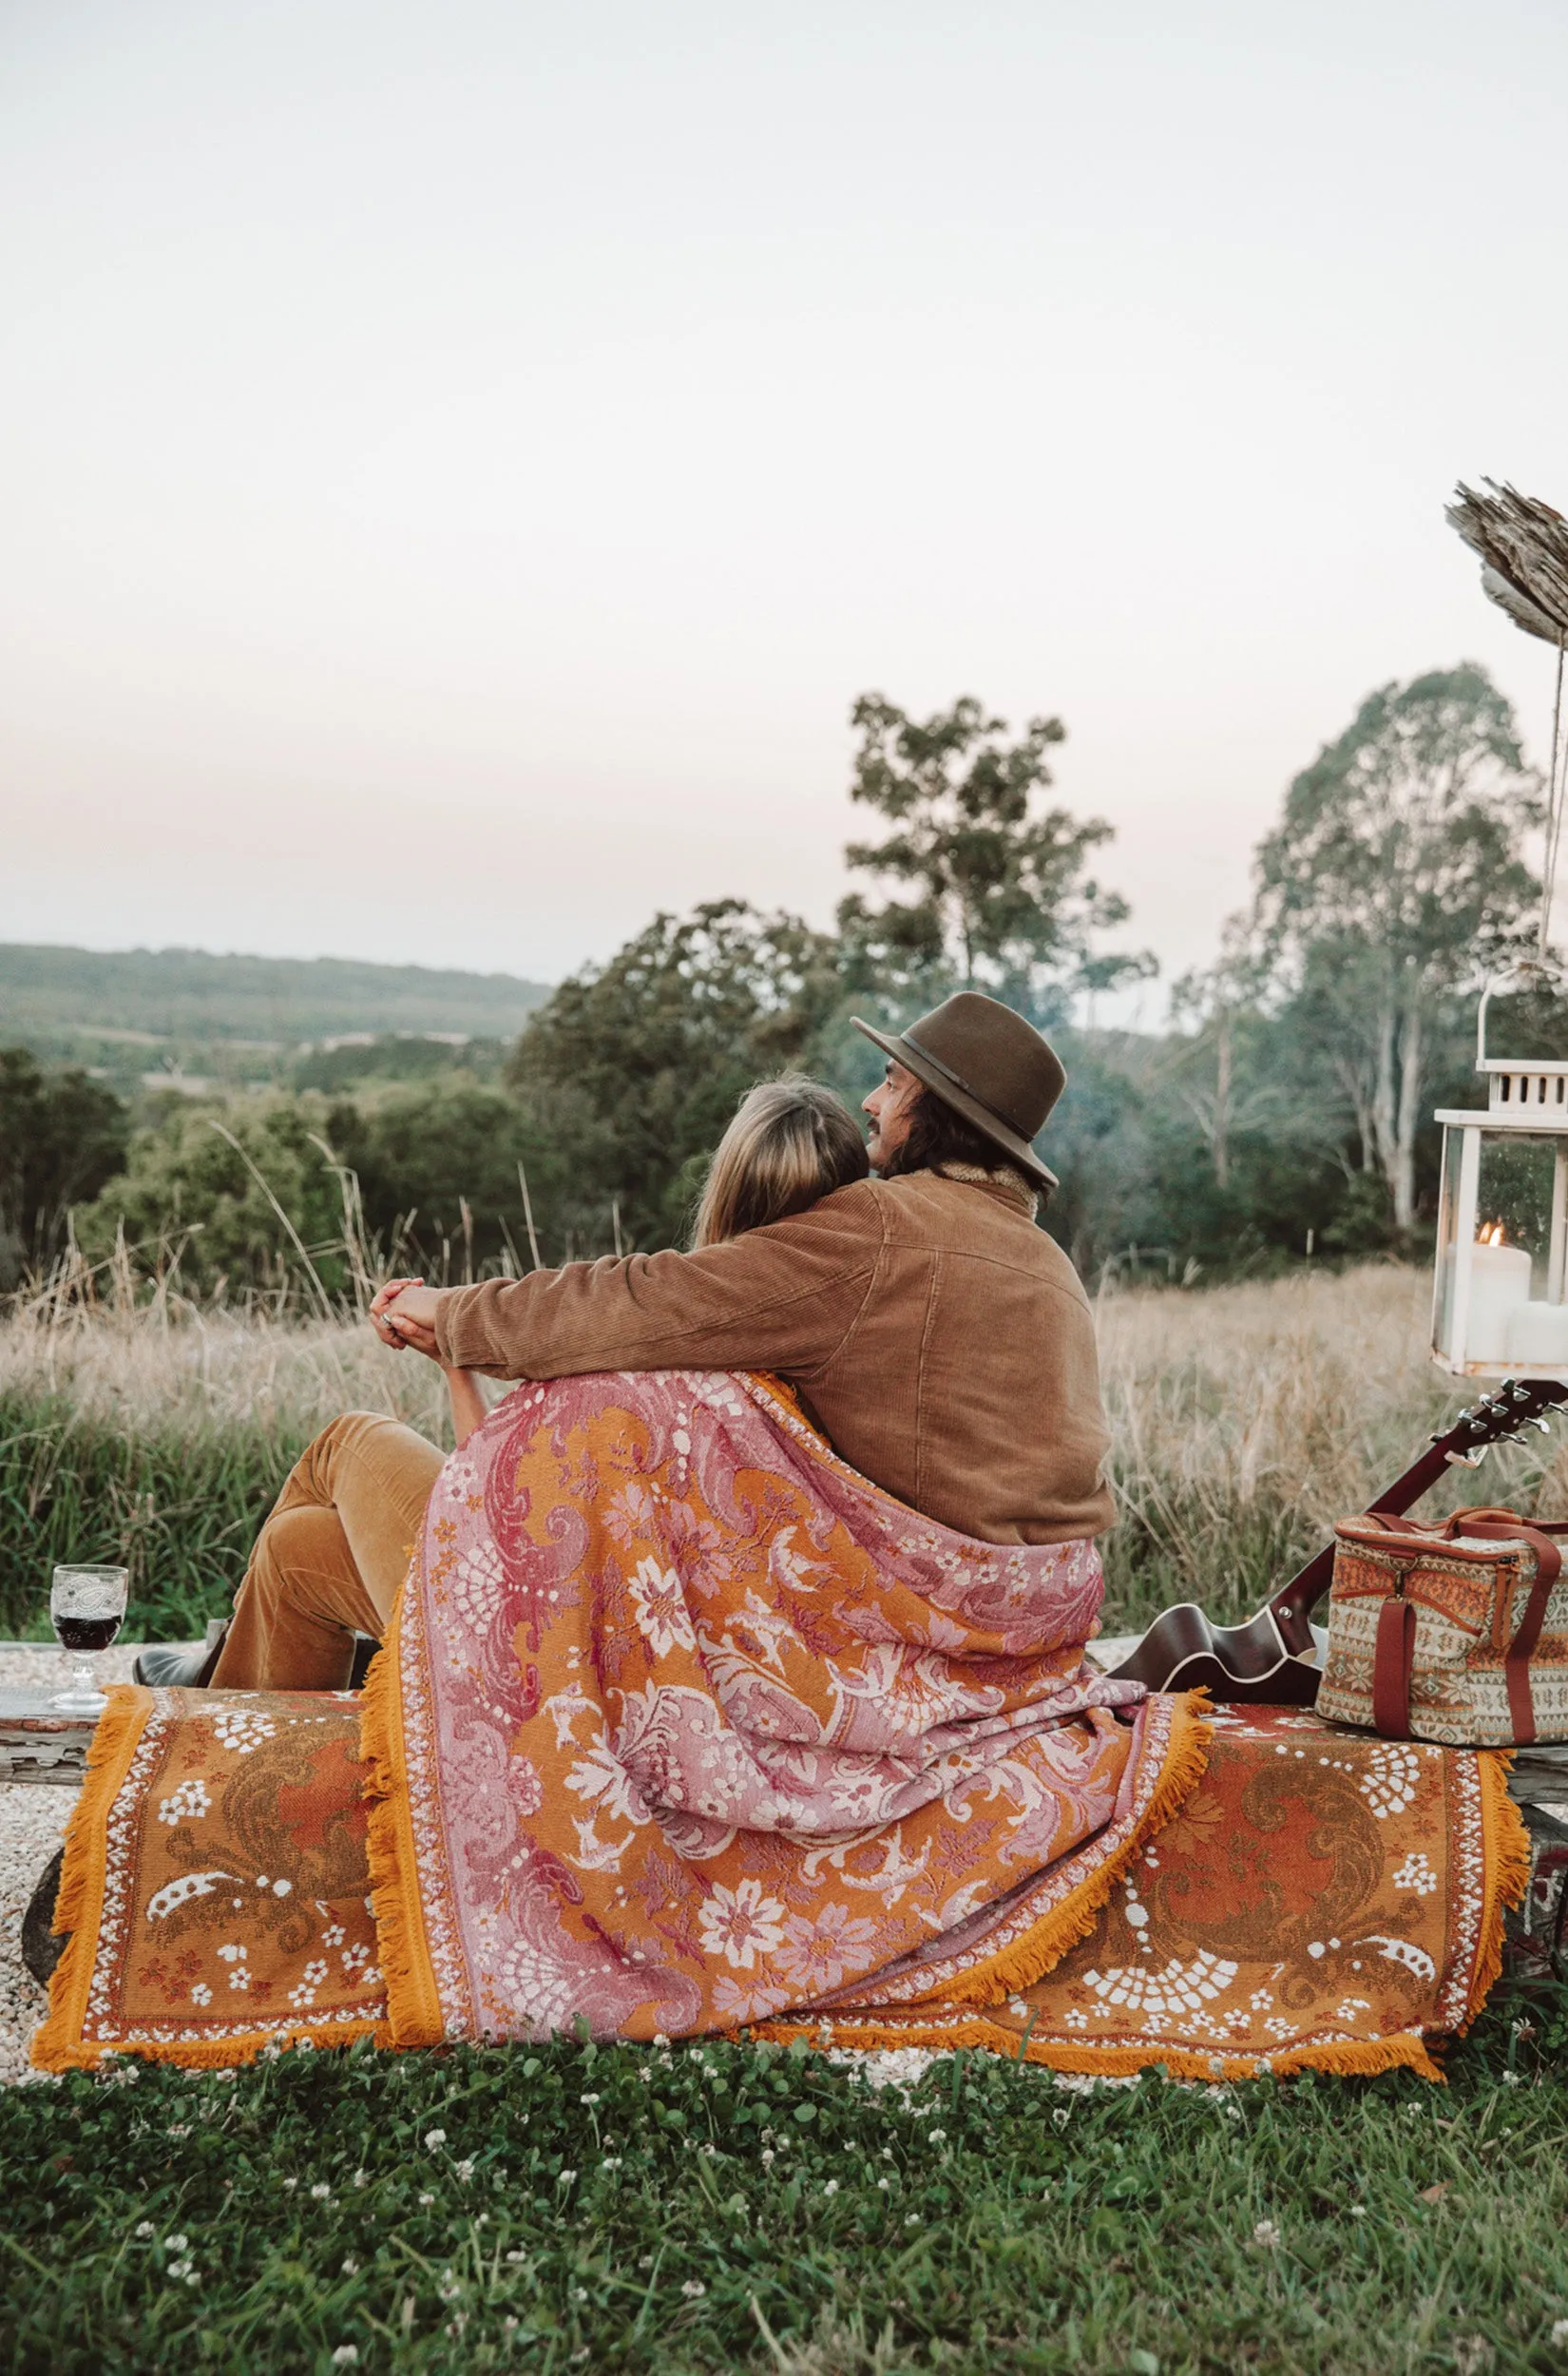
[39, 1743]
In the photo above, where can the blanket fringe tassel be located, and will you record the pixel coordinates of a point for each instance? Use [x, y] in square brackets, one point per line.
[1343, 2058]
[413, 2010]
[1029, 1959]
[1507, 1855]
[79, 1907]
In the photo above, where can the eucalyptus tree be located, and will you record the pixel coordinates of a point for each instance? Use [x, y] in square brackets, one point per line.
[997, 891]
[1395, 878]
[1221, 1094]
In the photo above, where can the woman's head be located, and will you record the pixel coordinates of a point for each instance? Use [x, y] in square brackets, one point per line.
[791, 1142]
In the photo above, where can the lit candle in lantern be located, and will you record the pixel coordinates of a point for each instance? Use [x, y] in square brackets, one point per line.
[1500, 1284]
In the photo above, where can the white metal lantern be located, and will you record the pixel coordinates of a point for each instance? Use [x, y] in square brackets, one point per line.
[1498, 1305]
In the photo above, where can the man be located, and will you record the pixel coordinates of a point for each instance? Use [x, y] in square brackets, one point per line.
[939, 1338]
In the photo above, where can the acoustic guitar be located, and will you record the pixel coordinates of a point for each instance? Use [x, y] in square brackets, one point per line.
[1271, 1659]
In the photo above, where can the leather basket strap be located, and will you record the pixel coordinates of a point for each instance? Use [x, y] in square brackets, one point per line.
[1393, 1523]
[1391, 1663]
[1504, 1525]
[1477, 1520]
[1394, 1648]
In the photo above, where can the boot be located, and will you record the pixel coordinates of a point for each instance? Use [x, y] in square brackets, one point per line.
[40, 1949]
[187, 1664]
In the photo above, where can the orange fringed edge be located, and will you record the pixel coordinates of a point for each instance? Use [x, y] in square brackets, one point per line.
[1506, 1852]
[58, 2043]
[413, 2003]
[1018, 1967]
[212, 2054]
[1358, 2059]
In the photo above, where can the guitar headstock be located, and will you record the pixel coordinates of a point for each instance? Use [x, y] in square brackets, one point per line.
[1499, 1418]
[1502, 1417]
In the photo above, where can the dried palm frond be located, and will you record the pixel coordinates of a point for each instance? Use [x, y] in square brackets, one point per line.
[1523, 548]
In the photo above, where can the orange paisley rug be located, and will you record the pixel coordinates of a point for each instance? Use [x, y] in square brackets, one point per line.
[1318, 1901]
[1321, 1901]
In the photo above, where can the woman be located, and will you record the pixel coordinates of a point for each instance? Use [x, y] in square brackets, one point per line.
[790, 1143]
[328, 1560]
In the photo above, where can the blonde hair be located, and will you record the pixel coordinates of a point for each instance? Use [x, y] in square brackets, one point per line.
[791, 1142]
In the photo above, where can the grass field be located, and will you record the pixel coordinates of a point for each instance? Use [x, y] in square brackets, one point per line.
[1243, 1421]
[726, 2207]
[723, 2207]
[158, 1439]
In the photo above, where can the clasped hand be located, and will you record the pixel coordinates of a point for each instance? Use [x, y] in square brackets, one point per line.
[403, 1313]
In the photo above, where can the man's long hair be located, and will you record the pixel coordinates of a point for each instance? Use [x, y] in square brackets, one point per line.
[938, 1134]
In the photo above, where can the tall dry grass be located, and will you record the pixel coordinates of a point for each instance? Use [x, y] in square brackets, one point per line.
[1246, 1420]
[168, 1367]
[139, 1428]
[1243, 1421]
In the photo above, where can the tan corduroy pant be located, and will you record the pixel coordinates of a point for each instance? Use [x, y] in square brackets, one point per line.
[328, 1560]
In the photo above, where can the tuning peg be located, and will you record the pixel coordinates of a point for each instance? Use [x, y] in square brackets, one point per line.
[1544, 1425]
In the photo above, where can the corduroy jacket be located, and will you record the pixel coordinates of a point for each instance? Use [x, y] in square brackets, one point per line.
[939, 1338]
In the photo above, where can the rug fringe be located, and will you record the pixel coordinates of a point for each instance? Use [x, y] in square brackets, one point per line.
[79, 1907]
[1344, 2059]
[414, 2008]
[1505, 1849]
[1018, 1967]
[216, 2053]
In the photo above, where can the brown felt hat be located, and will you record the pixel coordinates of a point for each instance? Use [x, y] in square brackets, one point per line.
[989, 1066]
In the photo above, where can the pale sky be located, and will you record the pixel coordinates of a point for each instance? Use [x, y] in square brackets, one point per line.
[459, 462]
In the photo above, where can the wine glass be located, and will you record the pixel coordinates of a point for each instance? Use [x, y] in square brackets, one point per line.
[86, 1607]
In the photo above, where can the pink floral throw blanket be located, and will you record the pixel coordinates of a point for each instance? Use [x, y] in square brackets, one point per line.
[684, 1724]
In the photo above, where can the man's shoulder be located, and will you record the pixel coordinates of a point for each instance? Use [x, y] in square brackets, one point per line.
[967, 1217]
[856, 1207]
[850, 1213]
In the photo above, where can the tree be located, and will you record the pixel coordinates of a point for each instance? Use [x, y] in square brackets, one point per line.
[62, 1136]
[1220, 999]
[1000, 895]
[437, 1168]
[636, 1067]
[247, 1195]
[1394, 879]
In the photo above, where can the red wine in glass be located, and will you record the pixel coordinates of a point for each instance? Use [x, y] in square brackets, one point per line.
[85, 1632]
[87, 1609]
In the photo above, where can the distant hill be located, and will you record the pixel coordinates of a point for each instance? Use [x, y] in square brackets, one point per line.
[237, 1017]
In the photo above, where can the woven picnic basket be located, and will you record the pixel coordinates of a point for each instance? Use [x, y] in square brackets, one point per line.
[1455, 1632]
